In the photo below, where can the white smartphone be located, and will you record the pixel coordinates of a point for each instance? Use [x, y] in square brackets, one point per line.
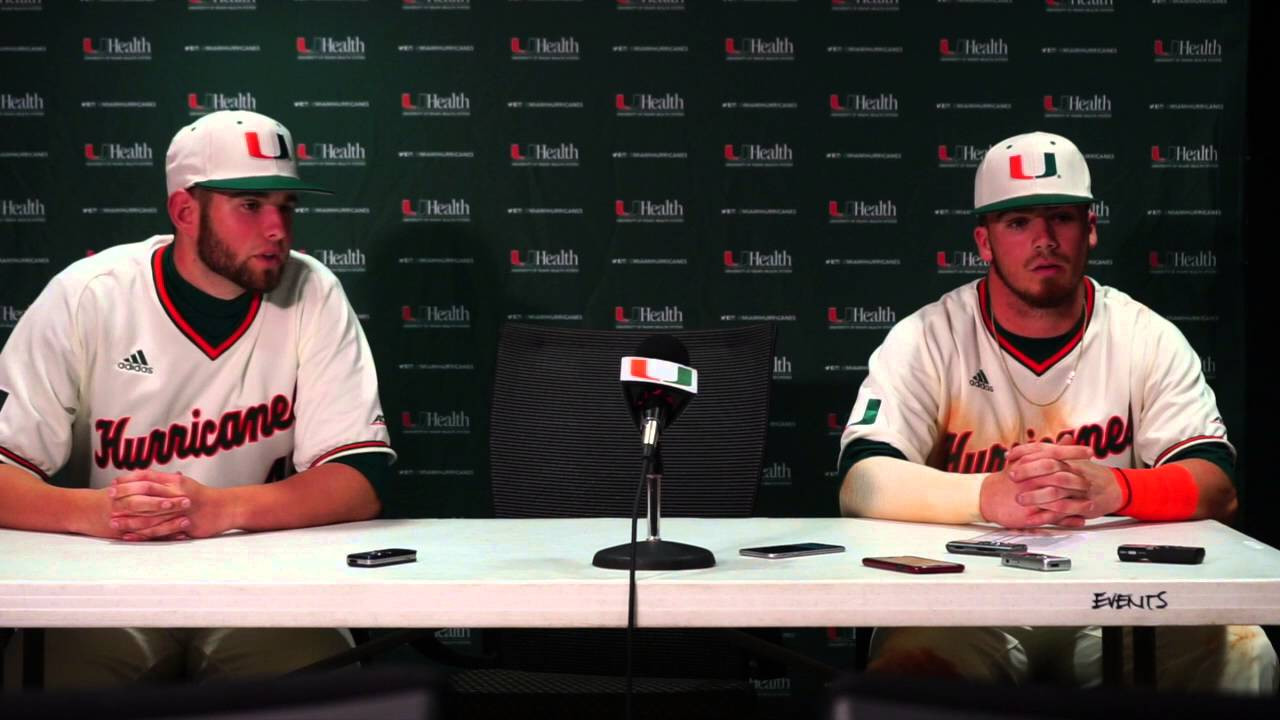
[775, 552]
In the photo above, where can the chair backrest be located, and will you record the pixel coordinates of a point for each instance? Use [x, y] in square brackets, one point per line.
[562, 442]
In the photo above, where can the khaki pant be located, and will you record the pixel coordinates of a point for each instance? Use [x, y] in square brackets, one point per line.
[1236, 658]
[106, 657]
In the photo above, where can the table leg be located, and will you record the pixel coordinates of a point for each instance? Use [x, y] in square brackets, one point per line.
[6, 636]
[1144, 656]
[861, 648]
[32, 658]
[1113, 656]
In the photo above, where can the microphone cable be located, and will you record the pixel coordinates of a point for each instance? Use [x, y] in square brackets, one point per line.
[631, 589]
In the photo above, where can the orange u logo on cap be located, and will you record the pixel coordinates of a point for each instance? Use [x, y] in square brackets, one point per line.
[1016, 172]
[255, 148]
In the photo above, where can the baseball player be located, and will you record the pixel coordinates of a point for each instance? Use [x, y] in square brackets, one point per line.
[181, 380]
[1036, 396]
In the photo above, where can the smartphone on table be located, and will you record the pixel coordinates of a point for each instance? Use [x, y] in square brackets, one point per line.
[1176, 554]
[379, 558]
[913, 564]
[984, 547]
[777, 552]
[1035, 561]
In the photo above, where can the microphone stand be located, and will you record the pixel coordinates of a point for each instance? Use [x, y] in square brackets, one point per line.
[654, 553]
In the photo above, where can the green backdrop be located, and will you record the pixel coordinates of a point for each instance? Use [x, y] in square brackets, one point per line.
[641, 164]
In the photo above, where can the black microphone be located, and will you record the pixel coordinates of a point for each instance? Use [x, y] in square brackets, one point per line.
[657, 383]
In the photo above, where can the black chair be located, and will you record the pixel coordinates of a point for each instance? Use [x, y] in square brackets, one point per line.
[562, 444]
[392, 694]
[887, 696]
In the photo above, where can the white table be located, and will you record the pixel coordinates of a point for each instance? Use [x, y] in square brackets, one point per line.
[538, 573]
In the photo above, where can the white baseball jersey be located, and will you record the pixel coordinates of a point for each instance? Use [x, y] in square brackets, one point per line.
[102, 371]
[948, 392]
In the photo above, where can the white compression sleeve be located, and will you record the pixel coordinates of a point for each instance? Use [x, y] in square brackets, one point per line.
[893, 489]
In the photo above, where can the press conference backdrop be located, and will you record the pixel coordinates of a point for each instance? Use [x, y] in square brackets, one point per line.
[641, 165]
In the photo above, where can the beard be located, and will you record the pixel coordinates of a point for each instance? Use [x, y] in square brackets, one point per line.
[216, 254]
[1049, 295]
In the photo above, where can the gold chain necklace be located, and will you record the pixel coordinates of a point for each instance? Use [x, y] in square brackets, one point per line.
[1009, 372]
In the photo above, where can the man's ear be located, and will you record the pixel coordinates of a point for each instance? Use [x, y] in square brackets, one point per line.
[982, 238]
[184, 213]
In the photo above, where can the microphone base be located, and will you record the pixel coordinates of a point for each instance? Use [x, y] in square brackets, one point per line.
[655, 555]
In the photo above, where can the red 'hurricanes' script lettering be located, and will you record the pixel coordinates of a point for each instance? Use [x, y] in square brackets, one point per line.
[197, 439]
[1110, 438]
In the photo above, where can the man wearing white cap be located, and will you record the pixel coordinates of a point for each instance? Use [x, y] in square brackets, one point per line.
[1035, 396]
[180, 381]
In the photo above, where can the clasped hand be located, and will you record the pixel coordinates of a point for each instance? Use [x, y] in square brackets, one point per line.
[151, 505]
[1049, 484]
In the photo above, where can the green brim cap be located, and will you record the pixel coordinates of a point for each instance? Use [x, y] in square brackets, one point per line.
[1032, 201]
[265, 183]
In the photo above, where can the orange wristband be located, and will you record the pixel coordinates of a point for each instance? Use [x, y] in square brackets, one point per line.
[1164, 493]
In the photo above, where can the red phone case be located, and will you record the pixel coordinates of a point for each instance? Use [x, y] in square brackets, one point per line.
[914, 569]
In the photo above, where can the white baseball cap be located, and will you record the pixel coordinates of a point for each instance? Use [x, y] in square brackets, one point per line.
[234, 150]
[1028, 170]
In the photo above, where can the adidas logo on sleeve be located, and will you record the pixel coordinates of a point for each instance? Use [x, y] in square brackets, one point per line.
[136, 362]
